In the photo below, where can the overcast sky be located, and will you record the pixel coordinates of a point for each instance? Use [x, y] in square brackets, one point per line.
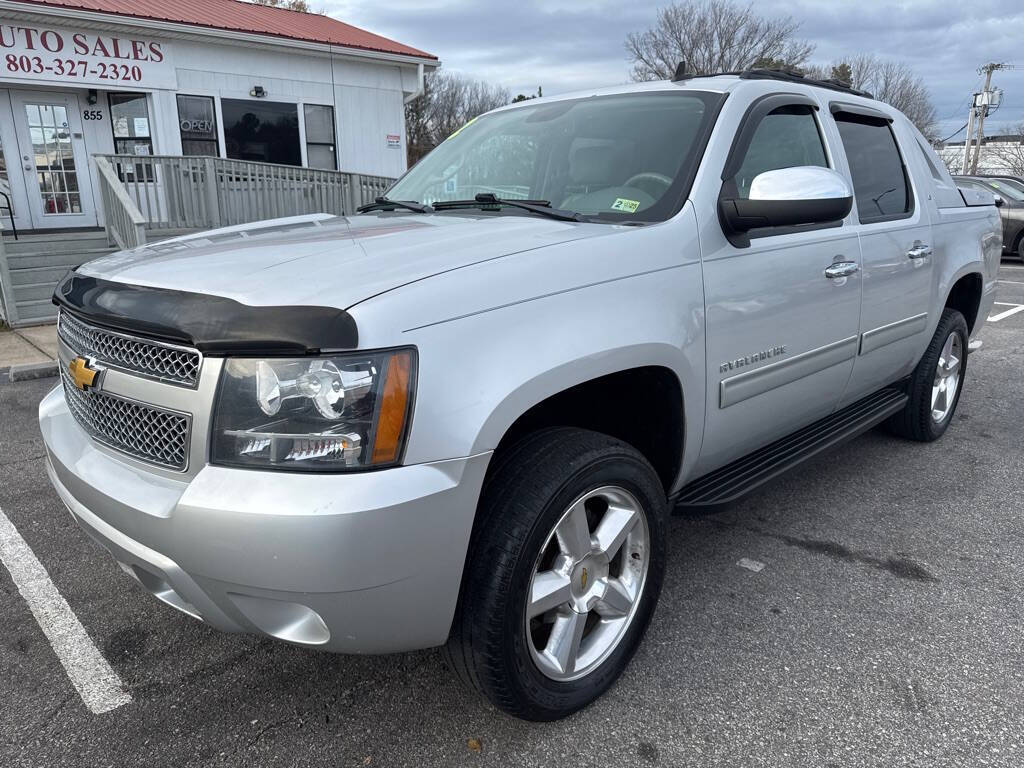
[564, 45]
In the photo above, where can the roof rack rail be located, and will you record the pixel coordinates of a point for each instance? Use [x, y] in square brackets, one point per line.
[785, 75]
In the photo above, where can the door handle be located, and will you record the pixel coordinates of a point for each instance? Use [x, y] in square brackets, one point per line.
[842, 269]
[919, 250]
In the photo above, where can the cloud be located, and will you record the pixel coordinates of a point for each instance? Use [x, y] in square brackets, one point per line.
[565, 45]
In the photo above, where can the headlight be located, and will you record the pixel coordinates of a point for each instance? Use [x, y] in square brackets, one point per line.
[326, 413]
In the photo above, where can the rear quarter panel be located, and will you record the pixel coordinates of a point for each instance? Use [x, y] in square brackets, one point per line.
[966, 239]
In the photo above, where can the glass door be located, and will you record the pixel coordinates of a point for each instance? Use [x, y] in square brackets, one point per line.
[12, 182]
[53, 159]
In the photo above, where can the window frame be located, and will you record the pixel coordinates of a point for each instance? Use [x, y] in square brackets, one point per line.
[868, 115]
[216, 123]
[334, 135]
[231, 101]
[756, 111]
[142, 172]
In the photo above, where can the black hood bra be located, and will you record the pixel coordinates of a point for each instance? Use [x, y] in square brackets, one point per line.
[214, 325]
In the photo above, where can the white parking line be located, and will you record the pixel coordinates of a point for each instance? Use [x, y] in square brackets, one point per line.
[1015, 308]
[98, 685]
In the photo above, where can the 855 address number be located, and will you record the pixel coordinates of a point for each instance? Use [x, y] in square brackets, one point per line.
[35, 65]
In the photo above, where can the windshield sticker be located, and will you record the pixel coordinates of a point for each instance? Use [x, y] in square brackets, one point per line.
[624, 205]
[460, 130]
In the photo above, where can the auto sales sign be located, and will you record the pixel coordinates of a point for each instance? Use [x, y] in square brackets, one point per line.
[82, 57]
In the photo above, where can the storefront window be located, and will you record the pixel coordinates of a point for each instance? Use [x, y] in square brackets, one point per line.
[129, 119]
[320, 150]
[266, 131]
[197, 121]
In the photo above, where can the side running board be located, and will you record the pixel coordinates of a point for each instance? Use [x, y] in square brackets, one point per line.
[747, 473]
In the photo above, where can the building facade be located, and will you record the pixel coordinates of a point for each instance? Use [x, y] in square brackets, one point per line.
[193, 77]
[999, 154]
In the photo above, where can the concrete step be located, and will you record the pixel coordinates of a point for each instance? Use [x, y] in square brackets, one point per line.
[36, 311]
[36, 244]
[45, 259]
[33, 292]
[35, 275]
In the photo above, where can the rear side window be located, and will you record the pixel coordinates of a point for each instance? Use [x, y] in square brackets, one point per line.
[880, 182]
[785, 138]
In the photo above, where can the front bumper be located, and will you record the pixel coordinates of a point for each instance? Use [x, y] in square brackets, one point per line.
[358, 563]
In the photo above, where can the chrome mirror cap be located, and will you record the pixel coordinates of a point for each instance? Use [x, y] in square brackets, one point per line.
[803, 182]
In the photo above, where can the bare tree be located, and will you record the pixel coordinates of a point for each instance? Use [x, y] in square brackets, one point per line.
[449, 101]
[714, 36]
[895, 83]
[292, 5]
[1007, 153]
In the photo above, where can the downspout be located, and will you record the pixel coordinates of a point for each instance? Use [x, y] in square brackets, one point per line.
[420, 87]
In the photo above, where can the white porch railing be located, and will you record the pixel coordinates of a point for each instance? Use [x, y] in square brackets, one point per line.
[126, 225]
[195, 193]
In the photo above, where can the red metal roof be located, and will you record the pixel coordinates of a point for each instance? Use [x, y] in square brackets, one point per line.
[238, 16]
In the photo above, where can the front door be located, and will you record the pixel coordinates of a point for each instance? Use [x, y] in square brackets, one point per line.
[53, 158]
[781, 334]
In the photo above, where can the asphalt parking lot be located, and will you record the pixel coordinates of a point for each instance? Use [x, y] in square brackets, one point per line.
[884, 629]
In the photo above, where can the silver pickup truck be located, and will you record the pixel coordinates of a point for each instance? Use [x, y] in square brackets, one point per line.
[461, 416]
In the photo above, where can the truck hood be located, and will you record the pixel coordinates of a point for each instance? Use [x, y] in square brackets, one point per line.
[330, 260]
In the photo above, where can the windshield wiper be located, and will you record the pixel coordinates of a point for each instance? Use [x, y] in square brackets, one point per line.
[488, 199]
[389, 204]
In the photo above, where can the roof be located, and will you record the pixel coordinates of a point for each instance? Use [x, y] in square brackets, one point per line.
[719, 82]
[1002, 138]
[236, 16]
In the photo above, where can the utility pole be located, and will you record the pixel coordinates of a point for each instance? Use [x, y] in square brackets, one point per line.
[970, 138]
[982, 101]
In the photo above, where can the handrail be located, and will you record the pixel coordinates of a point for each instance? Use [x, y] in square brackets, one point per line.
[176, 192]
[124, 222]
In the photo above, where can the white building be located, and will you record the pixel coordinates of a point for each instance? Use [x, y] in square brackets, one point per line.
[187, 77]
[999, 154]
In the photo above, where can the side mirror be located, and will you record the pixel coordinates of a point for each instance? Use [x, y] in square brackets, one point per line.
[999, 201]
[789, 197]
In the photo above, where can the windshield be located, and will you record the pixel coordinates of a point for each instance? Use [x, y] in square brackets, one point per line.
[1007, 188]
[622, 157]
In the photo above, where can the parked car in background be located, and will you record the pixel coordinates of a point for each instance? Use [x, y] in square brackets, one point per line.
[1010, 190]
[462, 416]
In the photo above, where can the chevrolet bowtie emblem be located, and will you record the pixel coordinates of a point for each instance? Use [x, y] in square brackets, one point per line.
[82, 374]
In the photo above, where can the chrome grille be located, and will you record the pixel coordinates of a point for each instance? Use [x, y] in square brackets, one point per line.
[147, 433]
[153, 359]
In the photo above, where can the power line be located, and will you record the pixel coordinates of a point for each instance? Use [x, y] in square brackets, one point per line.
[954, 133]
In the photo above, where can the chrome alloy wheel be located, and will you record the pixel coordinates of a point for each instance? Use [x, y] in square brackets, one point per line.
[947, 378]
[587, 583]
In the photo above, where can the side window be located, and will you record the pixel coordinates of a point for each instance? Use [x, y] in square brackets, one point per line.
[785, 137]
[1007, 190]
[880, 182]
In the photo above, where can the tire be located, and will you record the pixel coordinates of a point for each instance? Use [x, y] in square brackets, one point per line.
[921, 420]
[1020, 248]
[552, 478]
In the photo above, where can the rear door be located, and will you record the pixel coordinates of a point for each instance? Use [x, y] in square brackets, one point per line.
[781, 337]
[897, 253]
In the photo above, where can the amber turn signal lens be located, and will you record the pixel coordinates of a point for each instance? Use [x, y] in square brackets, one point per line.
[394, 409]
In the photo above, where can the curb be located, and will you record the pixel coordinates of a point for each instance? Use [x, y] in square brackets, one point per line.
[29, 371]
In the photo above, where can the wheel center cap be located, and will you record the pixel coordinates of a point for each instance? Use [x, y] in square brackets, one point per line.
[587, 581]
